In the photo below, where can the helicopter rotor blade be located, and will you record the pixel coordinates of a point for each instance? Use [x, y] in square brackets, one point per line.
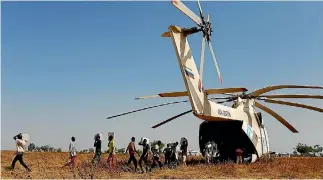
[182, 7]
[215, 62]
[176, 102]
[292, 96]
[272, 88]
[277, 116]
[294, 104]
[172, 118]
[200, 10]
[202, 59]
[220, 98]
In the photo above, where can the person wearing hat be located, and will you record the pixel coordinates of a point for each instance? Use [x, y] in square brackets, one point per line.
[132, 149]
[20, 144]
[98, 152]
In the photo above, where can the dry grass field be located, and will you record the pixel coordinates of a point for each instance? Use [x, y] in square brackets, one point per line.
[49, 165]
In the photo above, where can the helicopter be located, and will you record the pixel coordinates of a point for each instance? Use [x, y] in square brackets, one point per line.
[238, 126]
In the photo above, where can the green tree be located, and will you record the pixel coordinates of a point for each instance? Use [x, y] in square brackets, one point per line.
[85, 151]
[59, 150]
[91, 150]
[317, 149]
[45, 148]
[37, 148]
[162, 145]
[31, 147]
[303, 149]
[122, 150]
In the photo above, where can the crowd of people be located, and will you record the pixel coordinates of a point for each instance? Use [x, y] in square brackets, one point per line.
[171, 153]
[174, 154]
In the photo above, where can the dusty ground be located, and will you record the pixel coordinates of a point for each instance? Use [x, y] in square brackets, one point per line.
[49, 165]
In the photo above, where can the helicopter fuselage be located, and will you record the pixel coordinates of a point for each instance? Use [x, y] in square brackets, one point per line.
[230, 127]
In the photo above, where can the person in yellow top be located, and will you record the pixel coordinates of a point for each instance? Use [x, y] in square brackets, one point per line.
[111, 151]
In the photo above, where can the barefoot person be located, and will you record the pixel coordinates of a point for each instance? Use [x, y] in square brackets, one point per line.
[20, 144]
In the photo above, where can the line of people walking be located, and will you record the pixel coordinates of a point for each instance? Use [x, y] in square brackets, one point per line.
[171, 153]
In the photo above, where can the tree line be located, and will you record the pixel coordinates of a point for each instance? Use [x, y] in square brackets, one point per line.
[46, 148]
[305, 150]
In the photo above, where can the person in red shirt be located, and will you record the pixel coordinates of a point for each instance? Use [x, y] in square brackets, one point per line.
[132, 149]
[239, 155]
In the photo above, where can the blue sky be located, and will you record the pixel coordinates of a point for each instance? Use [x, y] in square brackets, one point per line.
[66, 66]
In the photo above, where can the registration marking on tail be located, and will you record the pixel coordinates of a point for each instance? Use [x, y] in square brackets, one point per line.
[189, 72]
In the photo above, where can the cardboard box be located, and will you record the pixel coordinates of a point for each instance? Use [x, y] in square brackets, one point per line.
[142, 139]
[182, 140]
[111, 134]
[101, 136]
[25, 137]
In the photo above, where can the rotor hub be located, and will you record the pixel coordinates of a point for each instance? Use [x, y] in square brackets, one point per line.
[207, 30]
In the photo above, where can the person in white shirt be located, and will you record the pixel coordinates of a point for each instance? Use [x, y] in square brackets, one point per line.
[155, 150]
[208, 152]
[72, 152]
[20, 144]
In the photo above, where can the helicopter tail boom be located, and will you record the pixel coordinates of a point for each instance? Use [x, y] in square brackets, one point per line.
[190, 74]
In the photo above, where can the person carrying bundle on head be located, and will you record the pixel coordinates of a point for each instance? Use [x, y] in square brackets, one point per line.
[144, 155]
[155, 150]
[132, 149]
[72, 153]
[111, 150]
[97, 145]
[20, 144]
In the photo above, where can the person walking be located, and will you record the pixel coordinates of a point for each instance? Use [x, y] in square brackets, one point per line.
[132, 149]
[155, 151]
[239, 155]
[144, 155]
[184, 146]
[167, 153]
[208, 152]
[20, 145]
[72, 153]
[98, 152]
[111, 151]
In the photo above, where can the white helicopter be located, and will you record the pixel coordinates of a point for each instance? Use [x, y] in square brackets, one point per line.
[238, 126]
